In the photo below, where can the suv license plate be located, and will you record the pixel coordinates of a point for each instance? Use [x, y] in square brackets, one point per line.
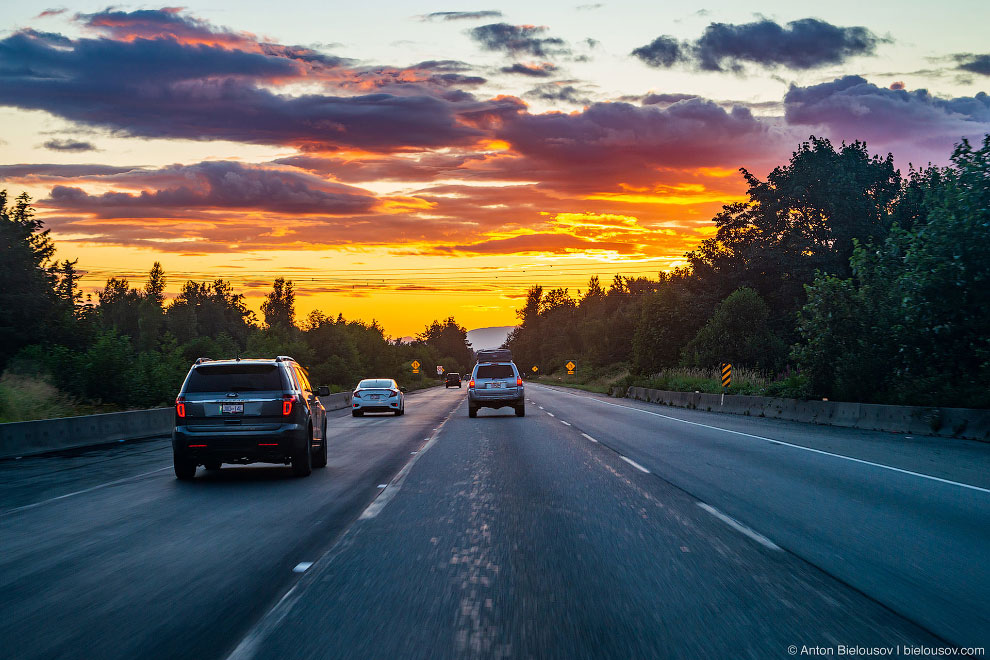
[494, 384]
[231, 408]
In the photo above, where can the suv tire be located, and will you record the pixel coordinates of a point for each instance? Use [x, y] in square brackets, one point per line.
[521, 411]
[320, 458]
[472, 411]
[185, 470]
[302, 460]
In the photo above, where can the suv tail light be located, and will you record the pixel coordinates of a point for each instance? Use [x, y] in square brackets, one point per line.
[287, 401]
[471, 383]
[180, 406]
[518, 382]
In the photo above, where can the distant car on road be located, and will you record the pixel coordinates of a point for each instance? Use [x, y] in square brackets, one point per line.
[496, 384]
[452, 378]
[248, 411]
[378, 395]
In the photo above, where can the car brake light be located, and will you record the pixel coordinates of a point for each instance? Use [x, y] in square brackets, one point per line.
[180, 407]
[471, 384]
[287, 401]
[518, 382]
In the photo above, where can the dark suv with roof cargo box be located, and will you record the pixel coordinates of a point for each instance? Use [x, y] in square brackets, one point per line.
[249, 411]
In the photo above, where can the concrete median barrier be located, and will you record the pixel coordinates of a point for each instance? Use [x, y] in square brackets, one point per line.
[967, 423]
[336, 401]
[47, 435]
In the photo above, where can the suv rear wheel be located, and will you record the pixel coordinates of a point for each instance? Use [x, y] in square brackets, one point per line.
[472, 411]
[302, 460]
[521, 410]
[185, 470]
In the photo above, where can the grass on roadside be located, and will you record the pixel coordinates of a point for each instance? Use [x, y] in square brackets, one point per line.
[791, 385]
[589, 379]
[25, 398]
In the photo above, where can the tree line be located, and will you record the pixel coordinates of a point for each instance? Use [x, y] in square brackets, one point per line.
[837, 278]
[131, 347]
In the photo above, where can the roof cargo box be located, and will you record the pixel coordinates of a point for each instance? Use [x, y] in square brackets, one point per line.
[495, 355]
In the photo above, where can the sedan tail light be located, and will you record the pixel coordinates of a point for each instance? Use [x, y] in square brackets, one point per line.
[180, 406]
[393, 393]
[355, 394]
[287, 401]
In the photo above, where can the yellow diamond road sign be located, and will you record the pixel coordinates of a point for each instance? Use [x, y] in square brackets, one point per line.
[535, 368]
[415, 364]
[570, 365]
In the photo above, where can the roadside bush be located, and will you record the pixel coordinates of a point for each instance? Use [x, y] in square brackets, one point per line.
[24, 398]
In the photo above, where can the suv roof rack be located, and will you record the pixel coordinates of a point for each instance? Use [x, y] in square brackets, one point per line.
[283, 358]
[203, 359]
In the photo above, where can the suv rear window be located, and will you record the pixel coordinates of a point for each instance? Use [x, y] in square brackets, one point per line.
[495, 371]
[234, 378]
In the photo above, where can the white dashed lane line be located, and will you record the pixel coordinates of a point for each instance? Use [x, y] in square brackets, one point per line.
[786, 444]
[634, 464]
[302, 566]
[563, 422]
[739, 527]
[551, 414]
[589, 437]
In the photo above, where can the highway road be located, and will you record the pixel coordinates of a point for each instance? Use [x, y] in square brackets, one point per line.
[593, 527]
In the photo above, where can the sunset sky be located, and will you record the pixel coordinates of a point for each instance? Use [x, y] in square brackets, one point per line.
[406, 162]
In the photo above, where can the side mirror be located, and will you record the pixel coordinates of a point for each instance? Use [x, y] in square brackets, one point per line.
[322, 390]
[402, 389]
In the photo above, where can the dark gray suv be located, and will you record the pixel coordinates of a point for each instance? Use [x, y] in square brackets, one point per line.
[249, 411]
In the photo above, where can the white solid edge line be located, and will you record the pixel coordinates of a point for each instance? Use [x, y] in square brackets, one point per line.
[563, 422]
[634, 464]
[739, 527]
[80, 492]
[589, 437]
[788, 444]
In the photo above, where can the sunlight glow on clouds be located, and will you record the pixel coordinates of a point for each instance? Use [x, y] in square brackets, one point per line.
[429, 162]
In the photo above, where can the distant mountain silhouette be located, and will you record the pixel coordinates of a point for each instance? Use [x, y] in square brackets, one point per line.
[494, 337]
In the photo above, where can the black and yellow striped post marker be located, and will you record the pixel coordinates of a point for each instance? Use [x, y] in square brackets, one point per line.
[726, 375]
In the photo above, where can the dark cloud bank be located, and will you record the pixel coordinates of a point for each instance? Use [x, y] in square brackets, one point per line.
[801, 44]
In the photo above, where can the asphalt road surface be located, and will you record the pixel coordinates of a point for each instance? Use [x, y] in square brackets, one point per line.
[593, 527]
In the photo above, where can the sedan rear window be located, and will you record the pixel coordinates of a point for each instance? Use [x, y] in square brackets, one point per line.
[375, 383]
[495, 371]
[234, 378]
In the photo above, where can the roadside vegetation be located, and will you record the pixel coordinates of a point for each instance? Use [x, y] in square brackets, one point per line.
[63, 353]
[839, 278]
